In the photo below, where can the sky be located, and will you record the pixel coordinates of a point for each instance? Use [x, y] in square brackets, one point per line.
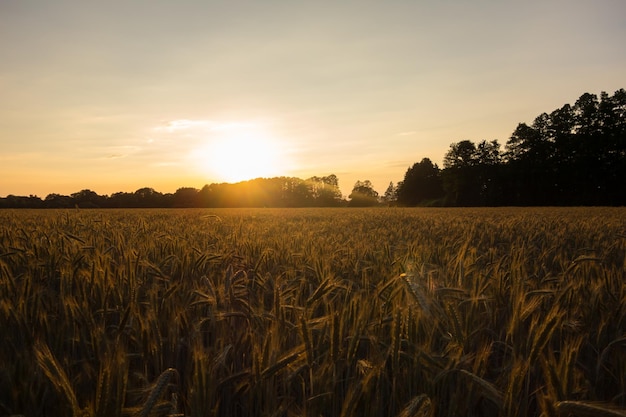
[119, 95]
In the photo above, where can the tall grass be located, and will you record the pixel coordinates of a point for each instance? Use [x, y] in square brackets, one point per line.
[333, 312]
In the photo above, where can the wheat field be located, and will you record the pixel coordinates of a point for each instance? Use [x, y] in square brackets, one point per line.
[313, 312]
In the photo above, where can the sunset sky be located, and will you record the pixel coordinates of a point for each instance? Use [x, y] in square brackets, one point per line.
[118, 95]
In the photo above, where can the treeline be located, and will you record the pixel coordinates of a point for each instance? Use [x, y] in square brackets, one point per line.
[260, 192]
[576, 155]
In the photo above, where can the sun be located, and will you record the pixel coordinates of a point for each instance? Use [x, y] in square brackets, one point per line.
[239, 152]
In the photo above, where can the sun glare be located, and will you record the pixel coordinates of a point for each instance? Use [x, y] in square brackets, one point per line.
[240, 152]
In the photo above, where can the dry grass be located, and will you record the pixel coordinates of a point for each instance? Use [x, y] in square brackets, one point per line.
[373, 312]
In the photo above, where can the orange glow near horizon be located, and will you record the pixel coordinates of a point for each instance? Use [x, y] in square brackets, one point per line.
[241, 152]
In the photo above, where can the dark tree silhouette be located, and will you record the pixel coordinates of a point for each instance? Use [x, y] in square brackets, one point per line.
[186, 197]
[575, 155]
[460, 155]
[572, 156]
[88, 199]
[422, 185]
[460, 181]
[58, 201]
[15, 201]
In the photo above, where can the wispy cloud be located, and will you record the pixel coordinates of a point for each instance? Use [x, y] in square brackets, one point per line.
[201, 124]
[117, 152]
[397, 164]
[183, 124]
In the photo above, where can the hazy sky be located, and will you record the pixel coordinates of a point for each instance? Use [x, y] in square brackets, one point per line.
[119, 95]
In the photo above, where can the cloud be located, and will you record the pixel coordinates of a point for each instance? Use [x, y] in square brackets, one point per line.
[117, 152]
[183, 124]
[397, 164]
[200, 125]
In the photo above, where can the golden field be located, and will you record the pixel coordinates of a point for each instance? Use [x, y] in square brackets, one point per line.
[313, 312]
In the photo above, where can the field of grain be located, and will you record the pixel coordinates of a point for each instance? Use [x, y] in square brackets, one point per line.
[313, 312]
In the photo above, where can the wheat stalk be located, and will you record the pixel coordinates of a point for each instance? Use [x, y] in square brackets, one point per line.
[585, 409]
[156, 392]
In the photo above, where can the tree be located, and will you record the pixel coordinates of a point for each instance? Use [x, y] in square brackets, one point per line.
[489, 173]
[148, 197]
[461, 154]
[363, 195]
[572, 156]
[525, 142]
[324, 191]
[295, 193]
[186, 197]
[391, 194]
[473, 174]
[58, 201]
[488, 153]
[88, 199]
[422, 183]
[14, 201]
